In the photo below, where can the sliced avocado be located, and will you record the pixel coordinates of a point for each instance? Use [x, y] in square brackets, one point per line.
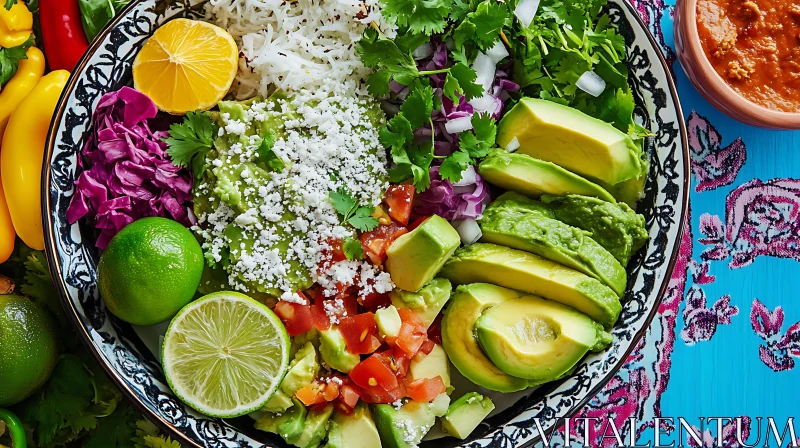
[524, 271]
[278, 403]
[302, 370]
[554, 240]
[569, 138]
[522, 205]
[427, 302]
[616, 227]
[356, 430]
[537, 339]
[465, 414]
[533, 177]
[432, 365]
[333, 351]
[404, 427]
[415, 258]
[288, 425]
[315, 428]
[389, 322]
[458, 336]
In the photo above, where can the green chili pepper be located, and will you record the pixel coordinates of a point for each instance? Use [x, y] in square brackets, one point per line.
[15, 428]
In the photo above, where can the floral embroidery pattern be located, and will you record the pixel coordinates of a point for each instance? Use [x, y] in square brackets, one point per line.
[713, 166]
[778, 349]
[700, 322]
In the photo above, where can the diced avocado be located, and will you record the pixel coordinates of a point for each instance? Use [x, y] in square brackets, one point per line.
[554, 240]
[404, 427]
[389, 322]
[300, 341]
[533, 177]
[432, 365]
[616, 227]
[315, 428]
[333, 351]
[278, 403]
[440, 404]
[569, 138]
[465, 414]
[302, 370]
[356, 430]
[415, 258]
[427, 302]
[524, 271]
[458, 336]
[288, 425]
[537, 339]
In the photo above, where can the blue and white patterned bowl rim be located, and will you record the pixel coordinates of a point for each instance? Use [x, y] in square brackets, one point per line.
[107, 67]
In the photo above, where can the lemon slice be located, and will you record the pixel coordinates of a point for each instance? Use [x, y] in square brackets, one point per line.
[186, 65]
[225, 354]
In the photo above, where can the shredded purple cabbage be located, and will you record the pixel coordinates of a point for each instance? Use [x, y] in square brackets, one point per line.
[441, 198]
[127, 172]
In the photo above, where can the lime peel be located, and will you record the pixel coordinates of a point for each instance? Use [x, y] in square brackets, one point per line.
[225, 354]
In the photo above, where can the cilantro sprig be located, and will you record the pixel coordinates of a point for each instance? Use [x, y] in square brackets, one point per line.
[266, 156]
[351, 213]
[352, 249]
[189, 142]
[473, 145]
[10, 57]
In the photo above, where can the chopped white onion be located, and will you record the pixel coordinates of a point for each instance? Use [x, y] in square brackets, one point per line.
[525, 11]
[403, 94]
[458, 125]
[423, 51]
[485, 103]
[513, 145]
[468, 230]
[497, 52]
[591, 83]
[467, 177]
[485, 68]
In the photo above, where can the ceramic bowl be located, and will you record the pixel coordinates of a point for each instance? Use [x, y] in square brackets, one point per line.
[125, 352]
[708, 82]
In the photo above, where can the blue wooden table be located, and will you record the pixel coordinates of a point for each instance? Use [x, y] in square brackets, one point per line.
[726, 342]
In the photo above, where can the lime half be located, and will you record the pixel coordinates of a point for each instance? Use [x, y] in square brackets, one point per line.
[225, 354]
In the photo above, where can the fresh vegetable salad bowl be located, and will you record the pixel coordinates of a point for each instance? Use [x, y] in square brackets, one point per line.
[131, 354]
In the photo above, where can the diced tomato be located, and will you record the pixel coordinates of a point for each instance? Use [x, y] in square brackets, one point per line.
[400, 198]
[417, 222]
[349, 395]
[319, 407]
[435, 330]
[319, 317]
[342, 408]
[296, 317]
[396, 359]
[427, 347]
[406, 315]
[425, 389]
[359, 333]
[374, 300]
[376, 242]
[333, 254]
[330, 391]
[350, 305]
[373, 373]
[311, 394]
[411, 338]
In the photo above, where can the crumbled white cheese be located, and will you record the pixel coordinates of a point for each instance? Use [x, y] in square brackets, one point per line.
[398, 404]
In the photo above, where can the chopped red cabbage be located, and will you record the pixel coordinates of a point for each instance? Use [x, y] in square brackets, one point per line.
[127, 173]
[441, 199]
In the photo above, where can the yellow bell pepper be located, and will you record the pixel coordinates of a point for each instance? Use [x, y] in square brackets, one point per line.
[21, 156]
[15, 25]
[7, 234]
[28, 74]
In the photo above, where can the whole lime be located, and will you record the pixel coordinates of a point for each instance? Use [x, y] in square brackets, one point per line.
[150, 270]
[28, 348]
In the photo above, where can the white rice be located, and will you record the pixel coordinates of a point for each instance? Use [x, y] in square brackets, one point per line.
[297, 44]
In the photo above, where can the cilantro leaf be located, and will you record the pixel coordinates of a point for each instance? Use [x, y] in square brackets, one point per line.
[454, 165]
[483, 25]
[267, 156]
[352, 249]
[39, 287]
[421, 157]
[466, 80]
[417, 108]
[420, 16]
[10, 57]
[378, 82]
[189, 142]
[343, 203]
[362, 220]
[116, 430]
[379, 52]
[481, 138]
[148, 436]
[397, 132]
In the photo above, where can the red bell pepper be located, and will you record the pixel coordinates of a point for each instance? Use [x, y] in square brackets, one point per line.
[64, 39]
